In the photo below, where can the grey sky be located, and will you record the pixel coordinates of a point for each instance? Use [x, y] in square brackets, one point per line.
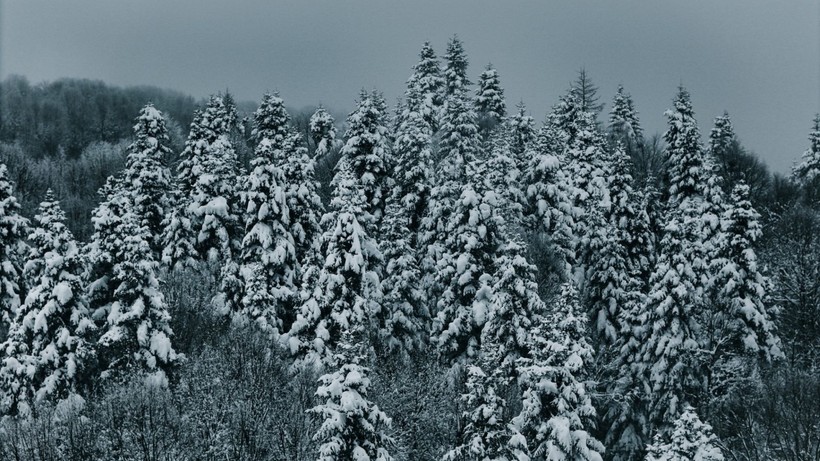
[758, 59]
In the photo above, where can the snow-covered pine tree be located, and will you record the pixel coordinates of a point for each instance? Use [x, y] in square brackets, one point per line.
[514, 304]
[205, 198]
[368, 153]
[136, 334]
[426, 87]
[147, 178]
[565, 121]
[353, 427]
[557, 413]
[404, 318]
[489, 99]
[465, 273]
[322, 132]
[807, 172]
[684, 153]
[13, 249]
[691, 440]
[500, 173]
[587, 166]
[269, 268]
[347, 290]
[721, 137]
[455, 70]
[485, 435]
[586, 94]
[624, 126]
[46, 345]
[739, 287]
[522, 134]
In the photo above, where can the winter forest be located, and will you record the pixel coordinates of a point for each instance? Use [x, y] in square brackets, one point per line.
[443, 279]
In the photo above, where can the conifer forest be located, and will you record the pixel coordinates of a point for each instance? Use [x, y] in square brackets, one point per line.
[443, 279]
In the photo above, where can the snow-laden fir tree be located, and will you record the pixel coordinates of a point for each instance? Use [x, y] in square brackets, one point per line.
[565, 121]
[368, 152]
[548, 196]
[347, 290]
[739, 288]
[587, 166]
[269, 268]
[404, 317]
[203, 223]
[46, 346]
[721, 137]
[486, 436]
[426, 87]
[465, 274]
[133, 317]
[500, 173]
[557, 413]
[691, 440]
[807, 172]
[353, 427]
[322, 132]
[147, 178]
[683, 151]
[13, 249]
[522, 134]
[514, 305]
[624, 126]
[455, 69]
[489, 97]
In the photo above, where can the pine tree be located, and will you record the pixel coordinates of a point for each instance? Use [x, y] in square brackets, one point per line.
[684, 154]
[412, 173]
[146, 176]
[556, 412]
[522, 133]
[465, 274]
[368, 153]
[425, 88]
[347, 290]
[489, 100]
[455, 71]
[514, 304]
[500, 173]
[721, 137]
[486, 436]
[47, 345]
[13, 230]
[323, 132]
[269, 267]
[135, 319]
[586, 94]
[691, 439]
[808, 171]
[739, 287]
[352, 426]
[624, 126]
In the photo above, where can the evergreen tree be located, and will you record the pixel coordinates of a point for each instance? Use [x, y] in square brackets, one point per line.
[425, 88]
[352, 426]
[683, 152]
[739, 287]
[808, 171]
[46, 344]
[500, 173]
[522, 133]
[367, 152]
[146, 176]
[691, 439]
[322, 132]
[556, 412]
[624, 126]
[721, 137]
[13, 229]
[486, 436]
[465, 274]
[455, 70]
[586, 94]
[347, 290]
[269, 267]
[489, 101]
[135, 319]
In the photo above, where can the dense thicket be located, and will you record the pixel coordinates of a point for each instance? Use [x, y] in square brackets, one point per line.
[449, 282]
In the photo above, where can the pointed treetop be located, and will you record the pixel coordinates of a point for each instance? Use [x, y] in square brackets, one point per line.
[271, 119]
[809, 168]
[489, 100]
[586, 93]
[456, 69]
[623, 119]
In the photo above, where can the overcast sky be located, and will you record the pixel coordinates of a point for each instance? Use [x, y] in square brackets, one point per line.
[758, 59]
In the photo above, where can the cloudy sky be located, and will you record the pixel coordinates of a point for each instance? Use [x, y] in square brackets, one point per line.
[758, 59]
